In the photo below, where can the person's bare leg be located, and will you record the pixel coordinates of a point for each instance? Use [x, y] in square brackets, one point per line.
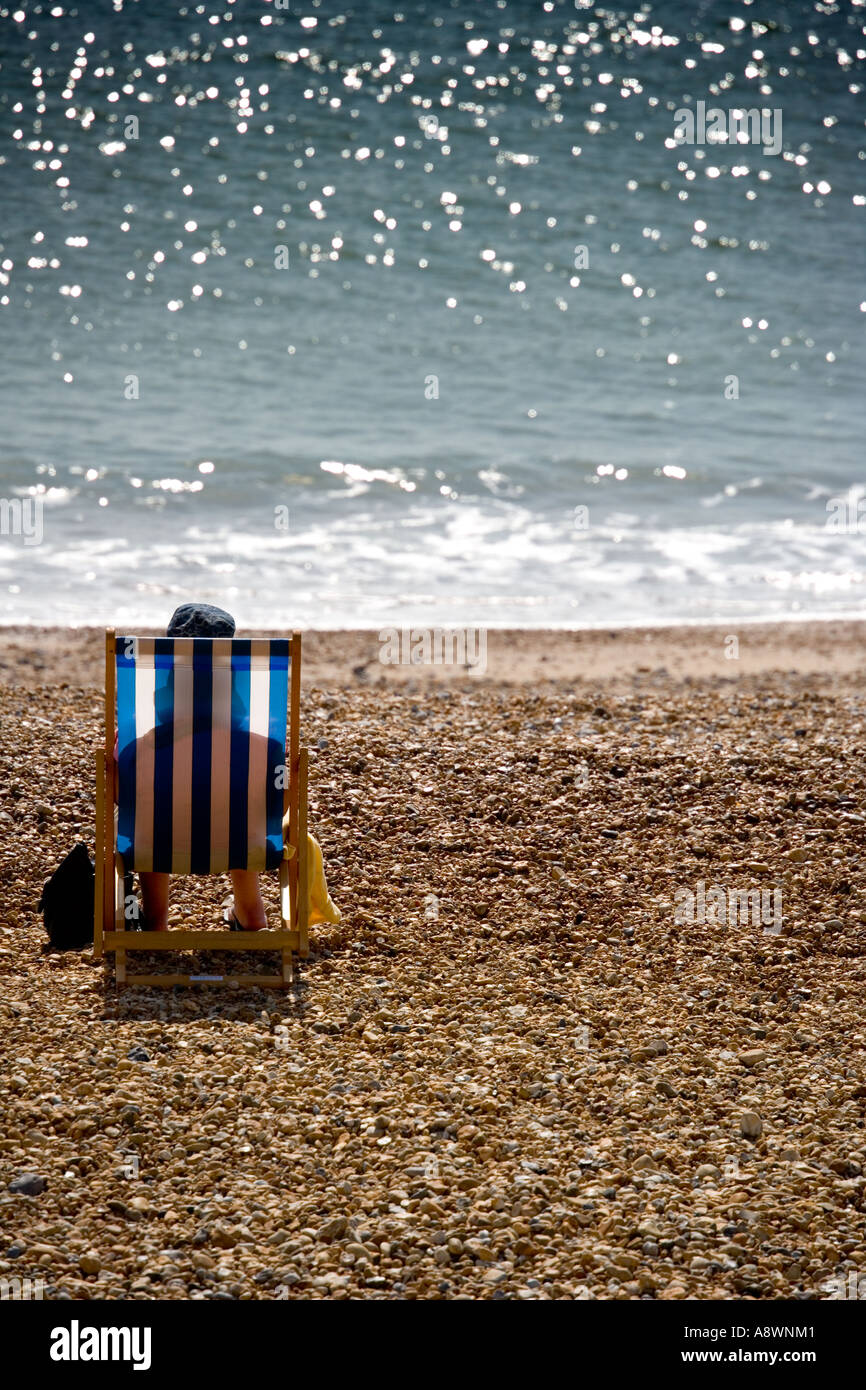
[249, 908]
[154, 900]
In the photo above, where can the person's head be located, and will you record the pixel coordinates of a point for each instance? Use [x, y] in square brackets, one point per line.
[200, 620]
[197, 620]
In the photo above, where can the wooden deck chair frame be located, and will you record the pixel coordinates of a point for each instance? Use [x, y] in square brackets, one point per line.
[109, 905]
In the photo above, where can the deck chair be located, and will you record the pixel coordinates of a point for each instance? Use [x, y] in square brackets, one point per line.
[205, 783]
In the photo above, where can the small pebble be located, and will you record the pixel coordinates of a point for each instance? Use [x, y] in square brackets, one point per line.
[29, 1184]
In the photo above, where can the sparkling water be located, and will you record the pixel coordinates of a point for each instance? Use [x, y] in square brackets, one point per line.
[425, 312]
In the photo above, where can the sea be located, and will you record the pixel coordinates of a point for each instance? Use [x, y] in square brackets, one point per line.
[432, 312]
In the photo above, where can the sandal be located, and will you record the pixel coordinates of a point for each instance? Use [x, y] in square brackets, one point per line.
[231, 920]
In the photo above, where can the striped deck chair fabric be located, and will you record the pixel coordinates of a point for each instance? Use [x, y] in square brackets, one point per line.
[201, 753]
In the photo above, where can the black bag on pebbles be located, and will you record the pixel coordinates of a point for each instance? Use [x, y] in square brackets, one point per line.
[67, 902]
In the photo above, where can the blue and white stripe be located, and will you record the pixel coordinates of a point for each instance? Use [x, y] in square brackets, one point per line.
[201, 746]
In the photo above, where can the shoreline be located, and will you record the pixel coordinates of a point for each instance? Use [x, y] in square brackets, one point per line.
[32, 655]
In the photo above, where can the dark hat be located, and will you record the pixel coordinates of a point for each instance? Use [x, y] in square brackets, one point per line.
[200, 620]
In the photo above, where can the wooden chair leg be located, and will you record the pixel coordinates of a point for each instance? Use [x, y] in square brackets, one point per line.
[98, 895]
[109, 890]
[287, 967]
[119, 894]
[119, 914]
[294, 752]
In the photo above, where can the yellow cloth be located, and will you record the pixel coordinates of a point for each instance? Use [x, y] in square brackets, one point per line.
[322, 908]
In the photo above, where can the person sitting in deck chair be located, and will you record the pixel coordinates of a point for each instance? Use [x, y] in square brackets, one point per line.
[247, 912]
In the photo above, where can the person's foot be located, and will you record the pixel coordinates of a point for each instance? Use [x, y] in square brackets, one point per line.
[140, 922]
[235, 924]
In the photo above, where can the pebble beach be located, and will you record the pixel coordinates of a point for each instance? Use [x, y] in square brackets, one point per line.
[510, 1072]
